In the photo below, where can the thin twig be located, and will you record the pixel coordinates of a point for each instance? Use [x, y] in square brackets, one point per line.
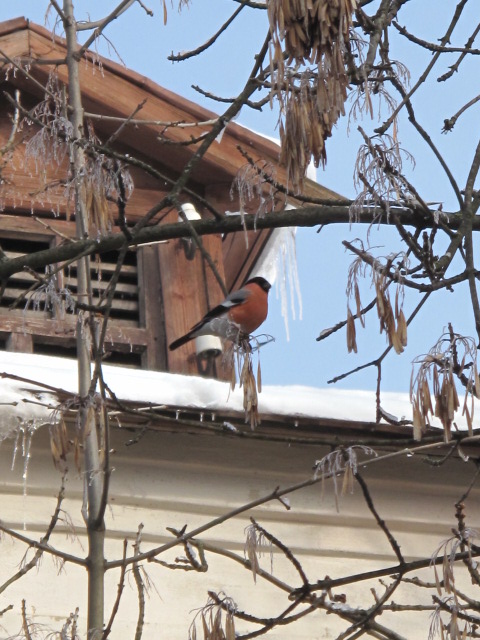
[44, 540]
[25, 626]
[140, 586]
[121, 586]
[274, 495]
[116, 133]
[387, 350]
[446, 38]
[179, 57]
[381, 523]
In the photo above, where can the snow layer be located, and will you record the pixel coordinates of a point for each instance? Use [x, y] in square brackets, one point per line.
[178, 391]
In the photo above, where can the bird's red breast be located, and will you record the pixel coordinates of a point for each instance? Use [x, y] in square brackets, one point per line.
[250, 315]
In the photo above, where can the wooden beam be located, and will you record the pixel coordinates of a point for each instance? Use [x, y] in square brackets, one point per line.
[19, 342]
[152, 317]
[120, 336]
[189, 290]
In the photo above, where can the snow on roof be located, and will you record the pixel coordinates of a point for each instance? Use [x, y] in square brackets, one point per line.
[30, 403]
[22, 401]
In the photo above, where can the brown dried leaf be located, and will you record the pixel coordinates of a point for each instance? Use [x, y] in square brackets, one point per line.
[396, 342]
[251, 552]
[380, 301]
[217, 625]
[448, 579]
[436, 382]
[59, 443]
[426, 398]
[452, 399]
[55, 453]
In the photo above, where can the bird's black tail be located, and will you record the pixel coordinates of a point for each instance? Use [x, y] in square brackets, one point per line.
[181, 341]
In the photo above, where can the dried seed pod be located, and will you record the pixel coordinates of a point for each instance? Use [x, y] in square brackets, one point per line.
[312, 32]
[451, 358]
[351, 333]
[402, 328]
[426, 398]
[476, 381]
[418, 421]
[230, 627]
[358, 303]
[395, 341]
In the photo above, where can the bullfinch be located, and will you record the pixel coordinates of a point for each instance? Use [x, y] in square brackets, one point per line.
[242, 311]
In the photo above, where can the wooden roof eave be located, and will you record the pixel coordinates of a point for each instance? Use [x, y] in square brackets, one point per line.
[118, 92]
[124, 91]
[221, 163]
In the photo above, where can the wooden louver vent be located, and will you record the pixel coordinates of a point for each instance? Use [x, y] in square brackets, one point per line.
[125, 307]
[31, 321]
[16, 297]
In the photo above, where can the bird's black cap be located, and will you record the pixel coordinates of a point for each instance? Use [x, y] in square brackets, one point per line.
[264, 284]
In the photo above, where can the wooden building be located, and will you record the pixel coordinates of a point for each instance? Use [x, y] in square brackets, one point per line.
[162, 291]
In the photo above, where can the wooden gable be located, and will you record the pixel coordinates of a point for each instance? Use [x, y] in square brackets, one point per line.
[167, 291]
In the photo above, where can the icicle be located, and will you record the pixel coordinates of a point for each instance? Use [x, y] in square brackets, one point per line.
[283, 290]
[24, 435]
[279, 266]
[15, 448]
[27, 443]
[288, 275]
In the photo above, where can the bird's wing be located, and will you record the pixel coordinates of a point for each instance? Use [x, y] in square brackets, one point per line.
[233, 300]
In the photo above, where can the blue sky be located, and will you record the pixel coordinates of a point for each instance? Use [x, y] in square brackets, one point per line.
[144, 43]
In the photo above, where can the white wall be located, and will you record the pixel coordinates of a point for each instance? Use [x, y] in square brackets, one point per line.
[173, 480]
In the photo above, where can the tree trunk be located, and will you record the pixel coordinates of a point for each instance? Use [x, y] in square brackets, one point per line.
[93, 472]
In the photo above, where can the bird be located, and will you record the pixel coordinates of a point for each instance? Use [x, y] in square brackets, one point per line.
[242, 312]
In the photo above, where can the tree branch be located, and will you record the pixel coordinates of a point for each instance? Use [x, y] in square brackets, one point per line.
[302, 217]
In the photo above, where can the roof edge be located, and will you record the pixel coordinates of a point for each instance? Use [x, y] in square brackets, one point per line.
[15, 24]
[198, 112]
